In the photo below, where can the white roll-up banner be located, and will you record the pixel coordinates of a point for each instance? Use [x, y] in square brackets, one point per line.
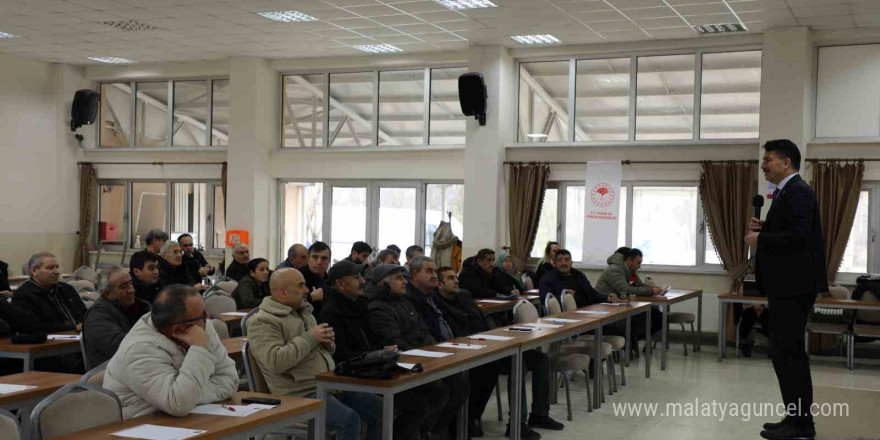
[601, 210]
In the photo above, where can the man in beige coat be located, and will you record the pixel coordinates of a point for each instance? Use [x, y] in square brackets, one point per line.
[290, 348]
[170, 360]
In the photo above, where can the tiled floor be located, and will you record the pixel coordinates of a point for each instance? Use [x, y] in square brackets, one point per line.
[701, 376]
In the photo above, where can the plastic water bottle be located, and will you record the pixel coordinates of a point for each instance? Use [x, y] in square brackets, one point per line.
[137, 241]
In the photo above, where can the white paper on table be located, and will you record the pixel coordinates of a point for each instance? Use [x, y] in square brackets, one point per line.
[425, 353]
[539, 325]
[156, 432]
[460, 345]
[6, 388]
[261, 406]
[615, 304]
[235, 313]
[214, 409]
[406, 365]
[63, 337]
[494, 301]
[489, 338]
[592, 312]
[561, 320]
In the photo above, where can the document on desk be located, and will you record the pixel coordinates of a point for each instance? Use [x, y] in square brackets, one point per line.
[214, 409]
[494, 301]
[235, 313]
[592, 312]
[614, 304]
[489, 338]
[425, 353]
[156, 432]
[561, 320]
[539, 325]
[460, 345]
[63, 337]
[406, 365]
[6, 388]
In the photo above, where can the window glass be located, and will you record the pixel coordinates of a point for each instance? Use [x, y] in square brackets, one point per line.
[602, 103]
[147, 210]
[219, 217]
[397, 217]
[303, 110]
[448, 124]
[730, 95]
[547, 224]
[303, 213]
[220, 113]
[189, 213]
[151, 114]
[190, 113]
[402, 107]
[442, 199]
[665, 97]
[111, 219]
[348, 220]
[543, 102]
[711, 256]
[351, 109]
[855, 258]
[664, 224]
[115, 114]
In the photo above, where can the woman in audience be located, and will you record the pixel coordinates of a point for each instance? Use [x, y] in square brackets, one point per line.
[546, 265]
[504, 262]
[254, 286]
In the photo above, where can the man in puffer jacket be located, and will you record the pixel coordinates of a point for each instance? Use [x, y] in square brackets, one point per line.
[620, 276]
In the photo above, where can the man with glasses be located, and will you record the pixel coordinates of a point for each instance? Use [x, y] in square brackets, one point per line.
[194, 261]
[171, 361]
[112, 316]
[171, 267]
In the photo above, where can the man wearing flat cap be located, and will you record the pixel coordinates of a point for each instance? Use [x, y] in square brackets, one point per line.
[346, 309]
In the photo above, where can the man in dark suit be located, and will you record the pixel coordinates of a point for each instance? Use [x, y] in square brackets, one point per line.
[790, 271]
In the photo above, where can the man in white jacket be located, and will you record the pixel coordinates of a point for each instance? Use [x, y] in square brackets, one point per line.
[171, 361]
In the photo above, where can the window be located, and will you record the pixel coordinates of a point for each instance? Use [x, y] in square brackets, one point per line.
[711, 254]
[379, 213]
[730, 95]
[602, 100]
[402, 107]
[111, 217]
[151, 114]
[115, 114]
[664, 224]
[189, 211]
[543, 101]
[190, 112]
[547, 225]
[219, 217]
[147, 210]
[220, 112]
[447, 123]
[351, 117]
[665, 97]
[303, 111]
[574, 220]
[855, 258]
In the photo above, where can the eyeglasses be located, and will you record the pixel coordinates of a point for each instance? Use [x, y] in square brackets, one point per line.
[204, 317]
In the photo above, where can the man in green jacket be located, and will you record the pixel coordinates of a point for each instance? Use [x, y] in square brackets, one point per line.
[620, 277]
[290, 348]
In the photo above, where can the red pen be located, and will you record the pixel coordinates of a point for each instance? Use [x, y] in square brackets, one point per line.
[479, 339]
[228, 407]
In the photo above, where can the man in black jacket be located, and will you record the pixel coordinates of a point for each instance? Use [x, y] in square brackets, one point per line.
[565, 277]
[4, 278]
[346, 312]
[171, 267]
[112, 316]
[55, 304]
[237, 269]
[144, 267]
[394, 321]
[790, 270]
[193, 259]
[315, 274]
[483, 279]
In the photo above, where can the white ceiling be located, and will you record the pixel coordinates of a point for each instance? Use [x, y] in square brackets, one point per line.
[69, 30]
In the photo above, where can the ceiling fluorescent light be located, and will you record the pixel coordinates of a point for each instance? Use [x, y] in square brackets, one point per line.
[112, 60]
[466, 4]
[720, 28]
[535, 39]
[378, 48]
[7, 35]
[287, 16]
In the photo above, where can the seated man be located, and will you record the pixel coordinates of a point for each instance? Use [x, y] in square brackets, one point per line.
[144, 268]
[466, 318]
[55, 304]
[171, 268]
[360, 253]
[112, 316]
[241, 254]
[316, 274]
[484, 280]
[155, 239]
[620, 277]
[386, 256]
[412, 252]
[346, 312]
[193, 259]
[290, 348]
[4, 279]
[170, 361]
[564, 277]
[297, 258]
[394, 321]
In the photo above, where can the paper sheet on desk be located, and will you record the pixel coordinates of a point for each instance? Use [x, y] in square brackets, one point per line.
[539, 325]
[9, 389]
[494, 301]
[63, 337]
[235, 313]
[460, 345]
[561, 320]
[614, 304]
[425, 353]
[156, 432]
[489, 338]
[406, 365]
[225, 410]
[592, 312]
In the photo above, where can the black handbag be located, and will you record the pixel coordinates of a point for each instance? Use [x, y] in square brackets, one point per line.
[376, 364]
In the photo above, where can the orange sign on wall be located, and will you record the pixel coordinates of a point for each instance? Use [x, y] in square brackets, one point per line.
[236, 236]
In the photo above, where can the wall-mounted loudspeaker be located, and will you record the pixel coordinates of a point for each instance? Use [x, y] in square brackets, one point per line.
[472, 95]
[84, 109]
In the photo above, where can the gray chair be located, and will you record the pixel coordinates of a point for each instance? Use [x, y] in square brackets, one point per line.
[612, 353]
[82, 285]
[257, 383]
[227, 287]
[682, 318]
[82, 348]
[867, 324]
[95, 376]
[219, 304]
[9, 428]
[245, 318]
[73, 408]
[840, 329]
[221, 328]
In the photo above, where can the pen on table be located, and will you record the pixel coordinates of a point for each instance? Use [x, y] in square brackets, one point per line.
[479, 339]
[228, 407]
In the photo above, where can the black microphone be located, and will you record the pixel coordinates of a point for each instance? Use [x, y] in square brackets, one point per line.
[757, 203]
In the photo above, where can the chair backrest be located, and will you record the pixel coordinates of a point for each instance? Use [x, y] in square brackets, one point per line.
[80, 285]
[525, 311]
[86, 273]
[528, 284]
[551, 304]
[219, 304]
[221, 328]
[9, 429]
[838, 292]
[245, 319]
[227, 286]
[82, 348]
[256, 381]
[73, 408]
[869, 316]
[568, 302]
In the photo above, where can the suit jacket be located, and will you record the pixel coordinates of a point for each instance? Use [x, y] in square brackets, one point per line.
[790, 260]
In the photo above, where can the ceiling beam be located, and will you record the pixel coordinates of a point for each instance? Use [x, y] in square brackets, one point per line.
[554, 106]
[161, 106]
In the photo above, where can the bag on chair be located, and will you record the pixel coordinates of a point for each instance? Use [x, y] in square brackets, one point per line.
[376, 364]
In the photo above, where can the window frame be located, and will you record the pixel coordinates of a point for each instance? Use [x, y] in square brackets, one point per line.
[873, 266]
[633, 87]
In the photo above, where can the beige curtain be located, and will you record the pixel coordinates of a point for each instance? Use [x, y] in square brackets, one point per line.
[88, 181]
[726, 191]
[525, 197]
[837, 189]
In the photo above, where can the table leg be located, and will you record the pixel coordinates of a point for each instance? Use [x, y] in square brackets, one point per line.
[29, 364]
[648, 344]
[24, 415]
[516, 382]
[320, 424]
[597, 368]
[388, 416]
[720, 329]
[699, 346]
[628, 336]
[665, 336]
[461, 425]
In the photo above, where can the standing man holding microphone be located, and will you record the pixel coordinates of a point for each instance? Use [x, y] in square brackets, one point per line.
[790, 271]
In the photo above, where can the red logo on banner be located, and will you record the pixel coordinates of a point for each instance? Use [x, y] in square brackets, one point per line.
[602, 195]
